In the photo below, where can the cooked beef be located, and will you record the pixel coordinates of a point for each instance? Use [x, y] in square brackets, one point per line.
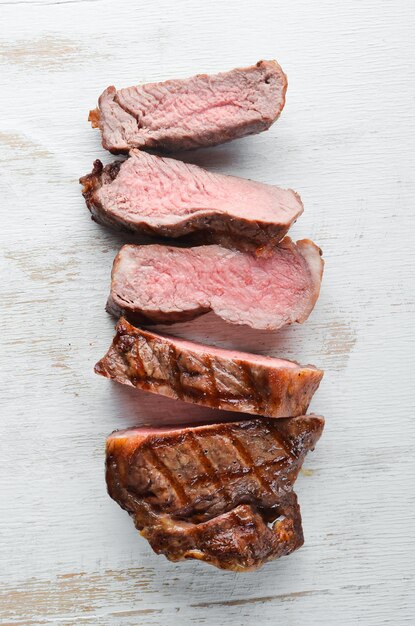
[220, 493]
[213, 377]
[160, 196]
[162, 284]
[199, 111]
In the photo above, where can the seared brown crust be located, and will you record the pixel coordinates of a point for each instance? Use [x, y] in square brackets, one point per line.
[211, 492]
[211, 227]
[92, 182]
[94, 117]
[158, 364]
[239, 540]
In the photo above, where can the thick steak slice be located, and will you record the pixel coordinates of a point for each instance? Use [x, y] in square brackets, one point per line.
[213, 377]
[199, 111]
[160, 196]
[221, 493]
[162, 284]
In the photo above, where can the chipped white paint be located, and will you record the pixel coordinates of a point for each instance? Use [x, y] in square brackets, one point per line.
[346, 142]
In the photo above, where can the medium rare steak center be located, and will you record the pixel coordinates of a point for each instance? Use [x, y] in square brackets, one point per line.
[168, 198]
[190, 113]
[163, 284]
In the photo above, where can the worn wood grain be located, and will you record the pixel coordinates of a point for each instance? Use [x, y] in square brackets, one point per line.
[346, 142]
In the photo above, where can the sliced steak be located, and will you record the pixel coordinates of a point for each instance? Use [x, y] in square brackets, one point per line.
[166, 197]
[220, 493]
[162, 284]
[199, 111]
[213, 377]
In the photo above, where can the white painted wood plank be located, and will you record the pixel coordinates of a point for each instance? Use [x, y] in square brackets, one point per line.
[345, 141]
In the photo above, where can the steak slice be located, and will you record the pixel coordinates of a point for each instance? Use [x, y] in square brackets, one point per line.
[162, 284]
[160, 196]
[213, 377]
[220, 493]
[199, 111]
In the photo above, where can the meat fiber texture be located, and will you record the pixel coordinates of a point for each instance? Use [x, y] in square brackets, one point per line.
[162, 284]
[165, 197]
[221, 493]
[204, 110]
[212, 377]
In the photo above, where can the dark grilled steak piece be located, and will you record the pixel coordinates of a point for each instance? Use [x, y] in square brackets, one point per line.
[199, 111]
[162, 284]
[220, 493]
[213, 377]
[169, 198]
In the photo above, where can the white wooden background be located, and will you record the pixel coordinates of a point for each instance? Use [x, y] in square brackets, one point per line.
[345, 141]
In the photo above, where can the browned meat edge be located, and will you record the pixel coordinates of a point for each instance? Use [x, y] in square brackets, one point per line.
[222, 228]
[154, 363]
[249, 525]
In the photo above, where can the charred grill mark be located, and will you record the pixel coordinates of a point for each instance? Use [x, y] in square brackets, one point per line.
[248, 460]
[128, 347]
[175, 372]
[282, 443]
[154, 363]
[211, 472]
[236, 525]
[206, 479]
[168, 475]
[256, 391]
[151, 382]
[129, 350]
[215, 396]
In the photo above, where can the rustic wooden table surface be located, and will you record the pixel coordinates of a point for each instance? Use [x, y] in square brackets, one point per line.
[345, 141]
